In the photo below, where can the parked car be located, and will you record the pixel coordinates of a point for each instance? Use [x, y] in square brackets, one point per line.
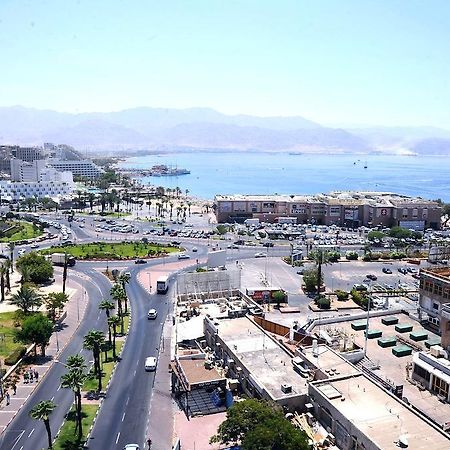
[140, 261]
[268, 244]
[402, 270]
[372, 277]
[386, 270]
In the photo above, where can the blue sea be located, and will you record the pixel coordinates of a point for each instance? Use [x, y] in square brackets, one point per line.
[283, 173]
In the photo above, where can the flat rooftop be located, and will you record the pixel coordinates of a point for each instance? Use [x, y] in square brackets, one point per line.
[439, 272]
[391, 367]
[385, 420]
[195, 371]
[269, 364]
[328, 361]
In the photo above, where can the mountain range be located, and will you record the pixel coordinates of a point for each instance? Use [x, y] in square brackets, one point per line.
[204, 128]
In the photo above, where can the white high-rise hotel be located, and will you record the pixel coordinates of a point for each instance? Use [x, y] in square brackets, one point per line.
[36, 179]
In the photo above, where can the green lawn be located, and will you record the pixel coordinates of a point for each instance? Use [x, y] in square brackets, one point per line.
[112, 250]
[7, 344]
[23, 230]
[91, 384]
[67, 439]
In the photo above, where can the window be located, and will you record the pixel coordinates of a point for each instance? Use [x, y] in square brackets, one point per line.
[421, 372]
[440, 387]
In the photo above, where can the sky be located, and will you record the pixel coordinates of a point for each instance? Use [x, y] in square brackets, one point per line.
[377, 62]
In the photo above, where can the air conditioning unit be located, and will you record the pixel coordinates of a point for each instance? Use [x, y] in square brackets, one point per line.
[435, 350]
[286, 388]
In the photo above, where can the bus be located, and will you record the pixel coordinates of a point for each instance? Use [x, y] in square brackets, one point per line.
[162, 285]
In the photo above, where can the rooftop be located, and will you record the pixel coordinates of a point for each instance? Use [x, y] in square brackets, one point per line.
[387, 418]
[195, 372]
[269, 364]
[328, 361]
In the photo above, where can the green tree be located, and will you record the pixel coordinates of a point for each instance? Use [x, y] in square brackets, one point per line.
[320, 257]
[74, 379]
[279, 297]
[40, 269]
[26, 298]
[400, 233]
[42, 411]
[107, 306]
[258, 426]
[11, 247]
[310, 280]
[94, 341]
[114, 322]
[3, 271]
[374, 234]
[221, 229]
[55, 301]
[36, 329]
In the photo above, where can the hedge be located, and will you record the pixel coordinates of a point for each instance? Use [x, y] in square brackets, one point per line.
[15, 355]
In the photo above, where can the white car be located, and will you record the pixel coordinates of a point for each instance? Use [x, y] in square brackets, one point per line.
[21, 252]
[150, 364]
[183, 256]
[152, 314]
[260, 255]
[194, 249]
[34, 246]
[131, 447]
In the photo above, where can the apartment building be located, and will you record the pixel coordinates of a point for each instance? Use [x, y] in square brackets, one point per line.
[349, 209]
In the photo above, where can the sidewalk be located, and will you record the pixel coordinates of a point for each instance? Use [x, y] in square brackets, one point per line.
[75, 308]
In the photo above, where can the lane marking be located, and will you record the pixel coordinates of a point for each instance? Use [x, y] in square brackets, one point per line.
[128, 399]
[31, 432]
[59, 387]
[123, 417]
[18, 439]
[53, 398]
[117, 438]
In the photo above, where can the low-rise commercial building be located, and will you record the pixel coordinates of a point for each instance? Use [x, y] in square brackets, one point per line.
[434, 291]
[349, 209]
[362, 415]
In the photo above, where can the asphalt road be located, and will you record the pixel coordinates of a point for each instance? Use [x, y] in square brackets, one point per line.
[125, 410]
[24, 433]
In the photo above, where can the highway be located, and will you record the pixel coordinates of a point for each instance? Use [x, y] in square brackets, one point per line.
[24, 433]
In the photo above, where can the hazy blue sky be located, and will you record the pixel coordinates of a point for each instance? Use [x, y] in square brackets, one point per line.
[332, 61]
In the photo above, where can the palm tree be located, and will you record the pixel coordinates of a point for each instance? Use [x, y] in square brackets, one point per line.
[26, 274]
[42, 411]
[7, 264]
[74, 379]
[94, 341]
[124, 279]
[119, 295]
[107, 306]
[11, 247]
[114, 321]
[320, 257]
[26, 299]
[3, 271]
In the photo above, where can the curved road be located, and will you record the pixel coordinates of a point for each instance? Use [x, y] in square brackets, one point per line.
[24, 433]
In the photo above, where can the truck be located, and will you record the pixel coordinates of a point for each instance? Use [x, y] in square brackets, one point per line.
[162, 285]
[57, 259]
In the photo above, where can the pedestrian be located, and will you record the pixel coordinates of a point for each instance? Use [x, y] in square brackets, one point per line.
[149, 443]
[14, 388]
[36, 375]
[25, 377]
[8, 398]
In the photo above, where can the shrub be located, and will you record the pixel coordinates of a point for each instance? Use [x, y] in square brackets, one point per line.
[351, 256]
[310, 280]
[342, 296]
[360, 298]
[38, 268]
[367, 258]
[323, 302]
[334, 256]
[15, 355]
[375, 256]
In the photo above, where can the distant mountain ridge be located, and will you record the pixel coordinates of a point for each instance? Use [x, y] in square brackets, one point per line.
[197, 128]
